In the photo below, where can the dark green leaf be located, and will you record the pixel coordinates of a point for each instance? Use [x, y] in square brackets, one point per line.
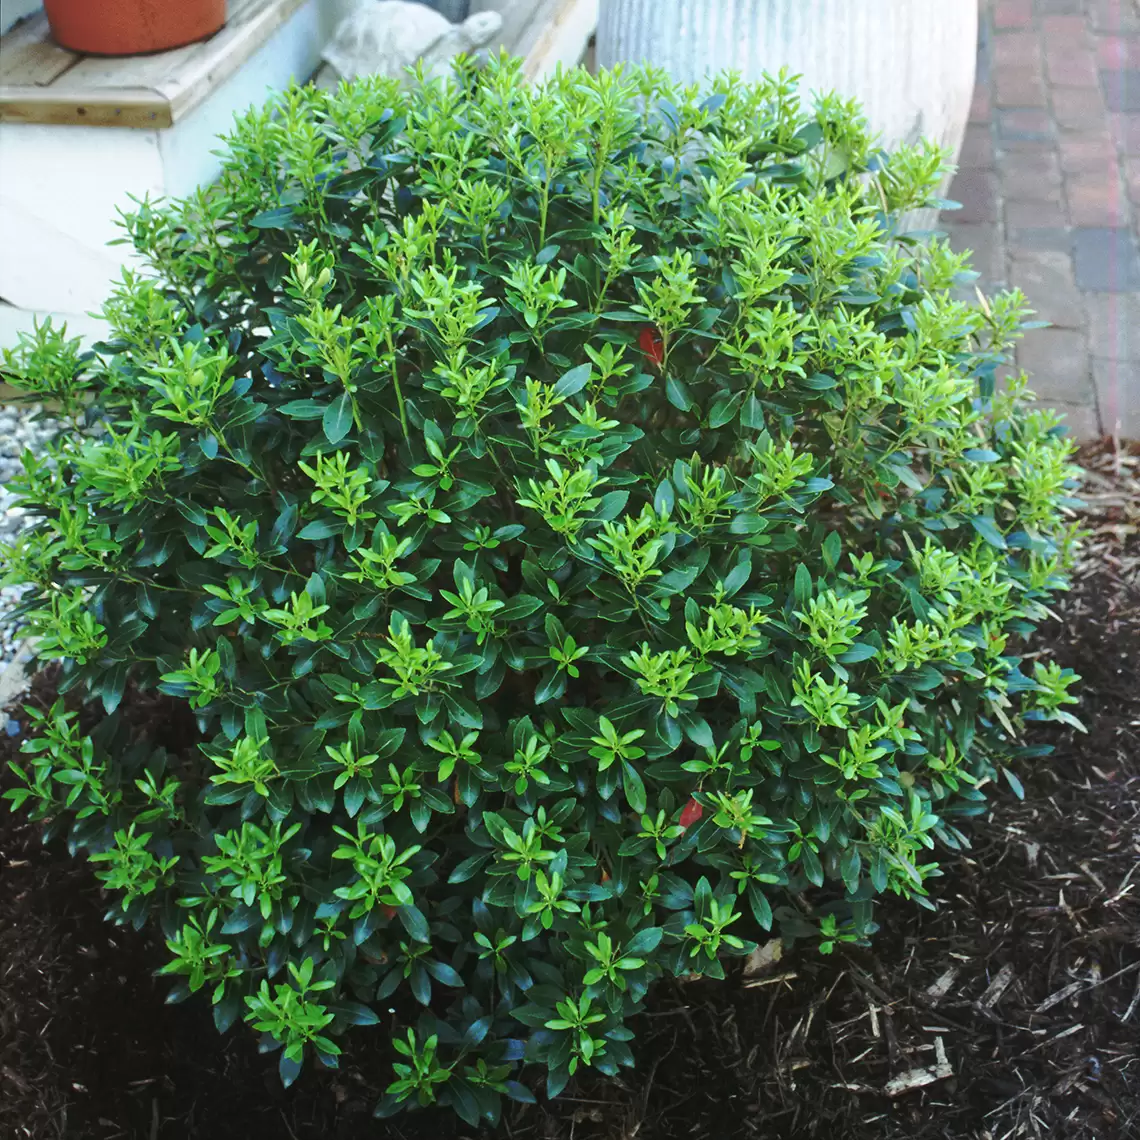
[803, 585]
[677, 393]
[572, 382]
[279, 218]
[634, 787]
[413, 921]
[303, 409]
[337, 420]
[989, 531]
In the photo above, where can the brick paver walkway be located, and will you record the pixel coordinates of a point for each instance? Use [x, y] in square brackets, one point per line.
[1049, 181]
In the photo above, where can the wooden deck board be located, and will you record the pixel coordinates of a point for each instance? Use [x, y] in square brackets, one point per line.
[41, 82]
[28, 57]
[199, 76]
[103, 73]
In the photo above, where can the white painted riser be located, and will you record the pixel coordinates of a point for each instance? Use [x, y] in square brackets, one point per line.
[60, 186]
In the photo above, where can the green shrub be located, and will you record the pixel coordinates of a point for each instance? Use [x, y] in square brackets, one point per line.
[580, 529]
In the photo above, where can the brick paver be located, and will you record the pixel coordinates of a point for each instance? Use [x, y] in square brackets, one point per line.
[1049, 181]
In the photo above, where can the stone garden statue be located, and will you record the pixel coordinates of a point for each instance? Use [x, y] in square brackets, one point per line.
[384, 37]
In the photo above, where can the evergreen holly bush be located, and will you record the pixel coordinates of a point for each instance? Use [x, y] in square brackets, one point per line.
[580, 532]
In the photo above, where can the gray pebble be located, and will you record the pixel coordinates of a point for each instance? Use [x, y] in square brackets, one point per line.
[17, 432]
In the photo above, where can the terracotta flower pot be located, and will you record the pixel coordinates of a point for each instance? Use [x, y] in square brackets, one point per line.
[130, 27]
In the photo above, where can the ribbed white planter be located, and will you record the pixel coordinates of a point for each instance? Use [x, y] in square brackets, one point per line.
[909, 62]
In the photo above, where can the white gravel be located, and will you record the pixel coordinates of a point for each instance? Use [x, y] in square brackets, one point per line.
[18, 430]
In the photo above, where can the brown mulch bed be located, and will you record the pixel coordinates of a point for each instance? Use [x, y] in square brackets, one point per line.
[1014, 1011]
